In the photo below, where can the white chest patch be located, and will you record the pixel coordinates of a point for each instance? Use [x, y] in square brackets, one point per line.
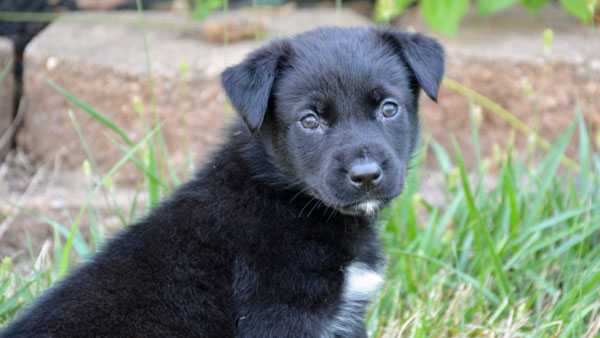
[361, 282]
[360, 285]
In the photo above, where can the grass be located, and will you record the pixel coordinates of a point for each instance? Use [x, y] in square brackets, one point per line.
[512, 251]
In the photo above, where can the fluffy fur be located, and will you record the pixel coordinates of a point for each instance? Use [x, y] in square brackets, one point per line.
[275, 236]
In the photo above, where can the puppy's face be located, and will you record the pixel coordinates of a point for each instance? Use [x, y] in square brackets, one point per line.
[336, 110]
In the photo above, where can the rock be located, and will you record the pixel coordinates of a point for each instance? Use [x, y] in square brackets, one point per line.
[98, 4]
[219, 31]
[6, 95]
[104, 5]
[503, 58]
[106, 67]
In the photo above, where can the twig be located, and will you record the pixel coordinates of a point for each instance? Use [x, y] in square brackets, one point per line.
[7, 137]
[507, 116]
[22, 199]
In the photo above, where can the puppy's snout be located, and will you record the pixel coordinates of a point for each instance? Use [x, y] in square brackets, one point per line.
[365, 174]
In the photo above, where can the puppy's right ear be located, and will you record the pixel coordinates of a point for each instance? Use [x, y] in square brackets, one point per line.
[248, 84]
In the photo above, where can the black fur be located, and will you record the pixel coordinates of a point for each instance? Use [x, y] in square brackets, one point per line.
[258, 243]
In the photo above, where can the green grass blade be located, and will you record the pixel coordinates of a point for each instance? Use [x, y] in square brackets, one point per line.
[64, 262]
[442, 157]
[152, 181]
[96, 115]
[489, 295]
[12, 303]
[481, 230]
[546, 172]
[79, 243]
[139, 164]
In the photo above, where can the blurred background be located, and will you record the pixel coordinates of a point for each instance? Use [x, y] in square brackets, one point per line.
[107, 105]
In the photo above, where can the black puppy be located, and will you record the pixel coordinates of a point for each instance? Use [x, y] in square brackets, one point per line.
[275, 236]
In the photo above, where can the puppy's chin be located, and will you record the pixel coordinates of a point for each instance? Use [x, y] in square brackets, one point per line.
[367, 207]
[364, 208]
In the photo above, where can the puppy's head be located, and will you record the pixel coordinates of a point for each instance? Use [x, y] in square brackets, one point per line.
[336, 109]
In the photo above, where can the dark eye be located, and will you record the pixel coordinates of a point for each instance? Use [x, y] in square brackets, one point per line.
[310, 121]
[389, 109]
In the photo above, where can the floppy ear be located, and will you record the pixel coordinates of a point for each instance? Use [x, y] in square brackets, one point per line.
[424, 56]
[248, 84]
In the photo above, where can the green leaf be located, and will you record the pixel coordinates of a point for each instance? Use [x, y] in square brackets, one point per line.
[202, 8]
[579, 8]
[486, 7]
[444, 16]
[534, 5]
[386, 10]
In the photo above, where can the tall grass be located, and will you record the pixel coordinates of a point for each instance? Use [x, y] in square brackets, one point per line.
[514, 257]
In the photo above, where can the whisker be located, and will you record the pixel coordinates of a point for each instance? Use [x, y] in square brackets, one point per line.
[313, 208]
[307, 204]
[301, 191]
[332, 213]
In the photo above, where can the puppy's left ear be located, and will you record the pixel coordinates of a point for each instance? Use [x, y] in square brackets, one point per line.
[424, 56]
[248, 84]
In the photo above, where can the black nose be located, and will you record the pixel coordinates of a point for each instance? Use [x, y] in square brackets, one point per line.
[365, 174]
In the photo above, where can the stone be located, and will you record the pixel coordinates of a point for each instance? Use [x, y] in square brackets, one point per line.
[98, 4]
[218, 31]
[503, 58]
[104, 5]
[106, 67]
[6, 95]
